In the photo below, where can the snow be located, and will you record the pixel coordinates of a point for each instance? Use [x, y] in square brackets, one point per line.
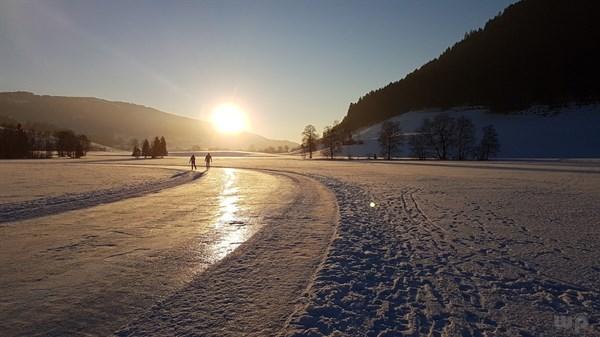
[491, 249]
[27, 180]
[539, 132]
[411, 266]
[263, 246]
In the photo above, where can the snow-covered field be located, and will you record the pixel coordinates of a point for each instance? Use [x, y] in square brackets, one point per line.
[25, 180]
[462, 253]
[538, 132]
[337, 248]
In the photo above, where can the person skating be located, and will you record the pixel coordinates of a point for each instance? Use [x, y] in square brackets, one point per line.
[193, 162]
[208, 160]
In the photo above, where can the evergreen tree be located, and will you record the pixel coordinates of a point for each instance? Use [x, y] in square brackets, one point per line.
[146, 149]
[163, 147]
[14, 142]
[155, 148]
[136, 152]
[18, 142]
[23, 144]
[135, 148]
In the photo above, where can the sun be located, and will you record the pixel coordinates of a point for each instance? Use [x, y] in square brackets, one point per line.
[229, 118]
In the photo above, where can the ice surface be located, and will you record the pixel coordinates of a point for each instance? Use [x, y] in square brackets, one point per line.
[87, 271]
[449, 249]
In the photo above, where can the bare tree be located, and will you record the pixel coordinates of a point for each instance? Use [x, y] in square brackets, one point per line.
[332, 142]
[309, 139]
[390, 139]
[440, 134]
[464, 137]
[489, 145]
[418, 145]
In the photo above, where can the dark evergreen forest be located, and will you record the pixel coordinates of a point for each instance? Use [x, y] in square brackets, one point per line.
[534, 52]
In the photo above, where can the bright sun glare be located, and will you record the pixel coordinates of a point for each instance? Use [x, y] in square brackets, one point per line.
[229, 118]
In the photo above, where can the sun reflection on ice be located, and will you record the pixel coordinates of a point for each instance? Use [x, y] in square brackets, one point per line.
[228, 199]
[231, 230]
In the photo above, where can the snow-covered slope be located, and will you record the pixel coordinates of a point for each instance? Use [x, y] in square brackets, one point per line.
[539, 132]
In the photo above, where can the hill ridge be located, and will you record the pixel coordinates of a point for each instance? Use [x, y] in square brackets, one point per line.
[115, 123]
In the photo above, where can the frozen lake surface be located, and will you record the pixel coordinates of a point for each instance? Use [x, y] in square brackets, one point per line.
[267, 246]
[86, 271]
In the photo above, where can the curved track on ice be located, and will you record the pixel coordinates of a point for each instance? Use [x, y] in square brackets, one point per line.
[92, 270]
[254, 290]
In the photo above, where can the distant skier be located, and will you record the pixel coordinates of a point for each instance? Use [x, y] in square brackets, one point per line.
[208, 160]
[193, 162]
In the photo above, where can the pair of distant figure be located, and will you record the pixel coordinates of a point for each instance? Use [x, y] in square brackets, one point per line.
[207, 160]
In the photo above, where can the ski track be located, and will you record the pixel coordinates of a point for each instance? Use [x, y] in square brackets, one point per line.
[393, 271]
[17, 211]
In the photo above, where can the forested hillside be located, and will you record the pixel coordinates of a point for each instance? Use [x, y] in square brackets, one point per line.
[534, 52]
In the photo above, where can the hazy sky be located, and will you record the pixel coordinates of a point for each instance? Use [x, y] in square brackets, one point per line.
[287, 63]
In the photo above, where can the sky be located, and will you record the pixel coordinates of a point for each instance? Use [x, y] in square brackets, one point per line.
[285, 63]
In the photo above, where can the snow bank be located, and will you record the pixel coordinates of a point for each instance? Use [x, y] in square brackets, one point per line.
[539, 132]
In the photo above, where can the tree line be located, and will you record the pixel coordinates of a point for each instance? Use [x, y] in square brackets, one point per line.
[158, 148]
[270, 149]
[445, 137]
[329, 143]
[442, 137]
[17, 142]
